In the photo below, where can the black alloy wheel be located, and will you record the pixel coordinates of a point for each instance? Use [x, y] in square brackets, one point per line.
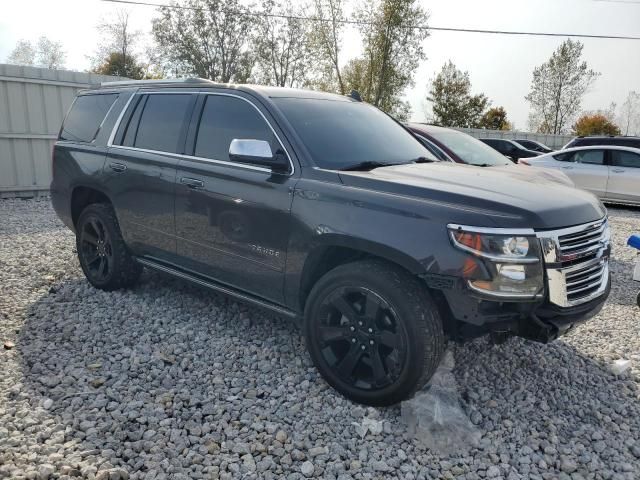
[96, 249]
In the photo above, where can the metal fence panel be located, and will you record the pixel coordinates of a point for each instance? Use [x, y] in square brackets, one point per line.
[553, 141]
[33, 102]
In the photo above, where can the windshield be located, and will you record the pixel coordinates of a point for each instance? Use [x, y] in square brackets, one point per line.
[469, 149]
[341, 135]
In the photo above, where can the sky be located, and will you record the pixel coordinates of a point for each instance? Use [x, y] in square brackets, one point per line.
[499, 66]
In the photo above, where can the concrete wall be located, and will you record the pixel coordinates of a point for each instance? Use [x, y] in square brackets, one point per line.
[33, 103]
[553, 141]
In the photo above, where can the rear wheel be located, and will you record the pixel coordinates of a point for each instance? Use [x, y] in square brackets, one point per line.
[373, 332]
[103, 255]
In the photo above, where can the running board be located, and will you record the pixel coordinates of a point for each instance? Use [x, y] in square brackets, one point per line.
[218, 288]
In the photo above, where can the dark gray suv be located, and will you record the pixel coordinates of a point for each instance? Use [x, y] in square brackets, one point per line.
[322, 208]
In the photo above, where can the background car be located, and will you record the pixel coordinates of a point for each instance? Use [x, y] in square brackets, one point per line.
[622, 141]
[448, 144]
[534, 146]
[611, 172]
[509, 148]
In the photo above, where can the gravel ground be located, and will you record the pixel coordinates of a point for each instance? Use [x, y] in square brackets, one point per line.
[171, 381]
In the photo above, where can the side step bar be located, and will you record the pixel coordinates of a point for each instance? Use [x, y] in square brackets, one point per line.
[219, 288]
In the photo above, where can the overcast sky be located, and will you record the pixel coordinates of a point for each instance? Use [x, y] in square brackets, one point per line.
[500, 66]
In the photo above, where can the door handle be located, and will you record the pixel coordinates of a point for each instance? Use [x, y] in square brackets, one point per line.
[567, 167]
[118, 167]
[618, 170]
[192, 183]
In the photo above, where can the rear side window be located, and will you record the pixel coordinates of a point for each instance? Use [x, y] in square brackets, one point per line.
[625, 159]
[226, 118]
[86, 116]
[162, 122]
[593, 157]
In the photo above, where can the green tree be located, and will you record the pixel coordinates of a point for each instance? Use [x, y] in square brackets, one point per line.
[282, 47]
[121, 66]
[453, 103]
[326, 39]
[495, 119]
[46, 54]
[207, 38]
[557, 88]
[595, 124]
[392, 52]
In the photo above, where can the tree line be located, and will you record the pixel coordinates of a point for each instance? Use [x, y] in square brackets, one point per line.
[300, 44]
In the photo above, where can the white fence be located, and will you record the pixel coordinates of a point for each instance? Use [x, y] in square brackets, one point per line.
[553, 141]
[33, 102]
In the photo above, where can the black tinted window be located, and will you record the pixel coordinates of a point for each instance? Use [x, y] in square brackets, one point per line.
[86, 115]
[341, 134]
[226, 118]
[625, 159]
[162, 121]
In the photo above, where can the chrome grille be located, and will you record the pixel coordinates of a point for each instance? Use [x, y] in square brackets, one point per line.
[577, 262]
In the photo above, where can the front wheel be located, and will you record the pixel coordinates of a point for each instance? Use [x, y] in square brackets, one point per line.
[373, 332]
[103, 255]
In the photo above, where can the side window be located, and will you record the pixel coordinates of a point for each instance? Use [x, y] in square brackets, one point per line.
[226, 118]
[162, 121]
[564, 157]
[132, 127]
[592, 157]
[86, 116]
[621, 158]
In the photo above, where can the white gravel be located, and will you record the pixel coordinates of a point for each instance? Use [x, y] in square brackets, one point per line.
[171, 381]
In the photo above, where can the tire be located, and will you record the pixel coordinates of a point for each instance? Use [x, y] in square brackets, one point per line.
[373, 332]
[103, 255]
[638, 299]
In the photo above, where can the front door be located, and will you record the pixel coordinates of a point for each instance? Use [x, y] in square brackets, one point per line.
[624, 176]
[141, 171]
[232, 219]
[588, 169]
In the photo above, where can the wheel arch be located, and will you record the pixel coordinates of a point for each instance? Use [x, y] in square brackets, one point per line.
[334, 250]
[83, 195]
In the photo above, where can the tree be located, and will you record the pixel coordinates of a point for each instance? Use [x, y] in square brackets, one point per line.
[22, 54]
[326, 38]
[557, 88]
[122, 66]
[453, 103]
[282, 47]
[207, 38]
[630, 116]
[46, 54]
[495, 119]
[595, 124]
[392, 52]
[117, 36]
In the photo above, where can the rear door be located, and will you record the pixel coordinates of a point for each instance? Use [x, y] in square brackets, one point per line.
[587, 168]
[624, 176]
[141, 170]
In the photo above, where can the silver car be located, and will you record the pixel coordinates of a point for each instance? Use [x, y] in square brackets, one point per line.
[611, 172]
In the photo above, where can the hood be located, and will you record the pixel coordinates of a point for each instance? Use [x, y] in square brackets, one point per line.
[508, 197]
[547, 173]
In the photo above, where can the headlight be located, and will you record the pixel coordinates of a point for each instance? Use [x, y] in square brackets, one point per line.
[512, 260]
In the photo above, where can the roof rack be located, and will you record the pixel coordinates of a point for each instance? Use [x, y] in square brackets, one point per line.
[168, 81]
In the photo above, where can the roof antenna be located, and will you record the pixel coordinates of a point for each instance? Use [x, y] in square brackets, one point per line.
[355, 95]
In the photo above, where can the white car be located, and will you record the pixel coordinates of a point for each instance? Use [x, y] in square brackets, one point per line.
[611, 172]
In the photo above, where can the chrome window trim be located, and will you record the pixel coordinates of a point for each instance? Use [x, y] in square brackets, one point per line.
[189, 157]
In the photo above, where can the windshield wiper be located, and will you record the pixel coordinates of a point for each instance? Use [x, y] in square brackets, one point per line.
[368, 165]
[424, 160]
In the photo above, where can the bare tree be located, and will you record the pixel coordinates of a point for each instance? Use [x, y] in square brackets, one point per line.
[118, 37]
[282, 46]
[326, 40]
[630, 114]
[557, 88]
[22, 54]
[207, 38]
[50, 54]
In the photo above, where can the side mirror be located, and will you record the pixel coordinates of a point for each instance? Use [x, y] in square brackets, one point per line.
[256, 152]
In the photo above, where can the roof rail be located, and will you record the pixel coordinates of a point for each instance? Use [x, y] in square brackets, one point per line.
[167, 81]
